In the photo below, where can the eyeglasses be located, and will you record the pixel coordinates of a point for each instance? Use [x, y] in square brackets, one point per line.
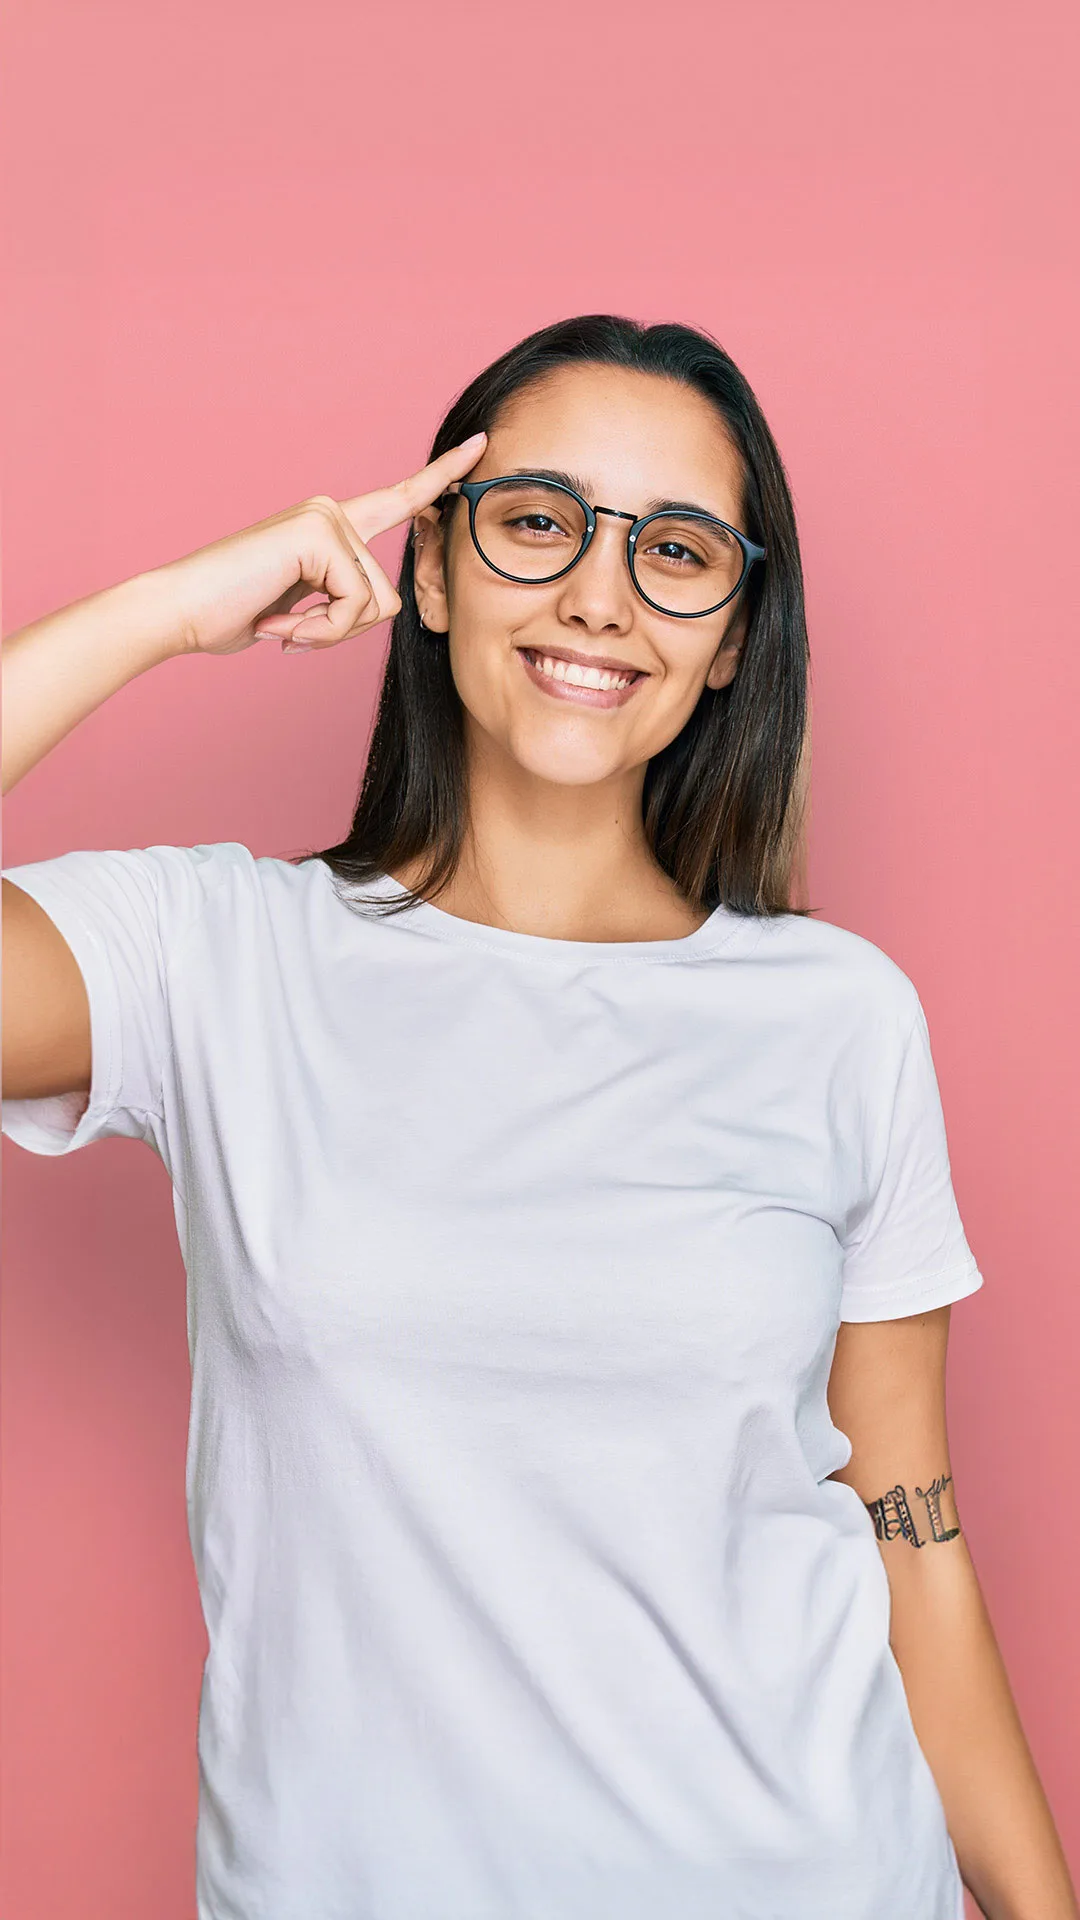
[683, 563]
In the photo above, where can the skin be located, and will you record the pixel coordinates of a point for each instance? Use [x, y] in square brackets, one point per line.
[555, 847]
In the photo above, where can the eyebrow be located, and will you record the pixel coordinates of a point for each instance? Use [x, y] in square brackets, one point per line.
[581, 486]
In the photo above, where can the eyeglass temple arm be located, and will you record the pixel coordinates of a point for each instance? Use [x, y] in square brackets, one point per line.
[451, 492]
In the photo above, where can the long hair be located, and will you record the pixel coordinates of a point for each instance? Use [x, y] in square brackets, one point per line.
[724, 801]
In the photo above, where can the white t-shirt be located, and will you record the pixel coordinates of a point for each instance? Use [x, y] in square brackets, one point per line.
[515, 1267]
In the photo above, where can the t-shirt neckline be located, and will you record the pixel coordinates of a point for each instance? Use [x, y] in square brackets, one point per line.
[424, 917]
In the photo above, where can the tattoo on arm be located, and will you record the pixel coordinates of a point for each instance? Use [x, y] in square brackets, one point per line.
[893, 1518]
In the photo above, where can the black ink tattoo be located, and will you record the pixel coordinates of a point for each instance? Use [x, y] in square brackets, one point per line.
[939, 1530]
[893, 1519]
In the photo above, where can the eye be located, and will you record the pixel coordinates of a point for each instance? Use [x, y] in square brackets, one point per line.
[536, 522]
[675, 552]
[689, 546]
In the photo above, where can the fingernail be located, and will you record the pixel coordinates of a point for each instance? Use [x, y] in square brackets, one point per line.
[473, 438]
[297, 646]
[267, 636]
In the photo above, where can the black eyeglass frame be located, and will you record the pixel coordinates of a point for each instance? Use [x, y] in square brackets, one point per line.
[474, 491]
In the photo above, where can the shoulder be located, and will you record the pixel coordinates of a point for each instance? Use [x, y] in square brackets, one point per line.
[155, 893]
[830, 966]
[226, 882]
[219, 889]
[226, 865]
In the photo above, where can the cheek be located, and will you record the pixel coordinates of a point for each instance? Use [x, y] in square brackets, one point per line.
[686, 675]
[481, 661]
[471, 669]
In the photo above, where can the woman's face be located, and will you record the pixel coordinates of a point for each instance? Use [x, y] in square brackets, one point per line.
[631, 439]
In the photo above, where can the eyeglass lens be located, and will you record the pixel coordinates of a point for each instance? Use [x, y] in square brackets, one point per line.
[532, 531]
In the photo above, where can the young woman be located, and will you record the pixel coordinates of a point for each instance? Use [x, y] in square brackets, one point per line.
[567, 1215]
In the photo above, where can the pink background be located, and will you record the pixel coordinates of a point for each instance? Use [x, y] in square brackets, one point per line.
[254, 251]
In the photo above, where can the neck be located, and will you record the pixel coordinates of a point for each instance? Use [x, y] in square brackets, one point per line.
[565, 862]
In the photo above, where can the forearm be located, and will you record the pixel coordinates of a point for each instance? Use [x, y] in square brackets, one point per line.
[967, 1725]
[58, 669]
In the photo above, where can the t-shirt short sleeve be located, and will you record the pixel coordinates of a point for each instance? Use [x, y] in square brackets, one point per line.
[125, 916]
[905, 1249]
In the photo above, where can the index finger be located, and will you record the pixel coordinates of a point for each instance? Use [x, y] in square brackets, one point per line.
[386, 507]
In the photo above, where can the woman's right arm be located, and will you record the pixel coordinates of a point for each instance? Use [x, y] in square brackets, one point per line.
[220, 599]
[55, 672]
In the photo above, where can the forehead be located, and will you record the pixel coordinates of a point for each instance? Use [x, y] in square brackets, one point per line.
[632, 436]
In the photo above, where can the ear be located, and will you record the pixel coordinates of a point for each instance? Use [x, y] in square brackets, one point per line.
[726, 657]
[428, 570]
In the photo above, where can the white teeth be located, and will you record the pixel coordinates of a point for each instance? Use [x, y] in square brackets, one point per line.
[602, 679]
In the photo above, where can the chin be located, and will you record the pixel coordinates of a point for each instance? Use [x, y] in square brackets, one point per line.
[573, 762]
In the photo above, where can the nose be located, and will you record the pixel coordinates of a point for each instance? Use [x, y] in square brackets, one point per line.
[597, 595]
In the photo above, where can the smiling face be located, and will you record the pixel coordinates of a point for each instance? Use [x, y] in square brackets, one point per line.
[579, 680]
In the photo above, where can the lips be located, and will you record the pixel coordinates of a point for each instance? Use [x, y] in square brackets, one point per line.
[583, 678]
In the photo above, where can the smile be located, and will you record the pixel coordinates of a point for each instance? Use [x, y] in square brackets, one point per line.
[586, 682]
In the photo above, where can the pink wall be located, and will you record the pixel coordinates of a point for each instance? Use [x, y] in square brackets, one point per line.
[254, 251]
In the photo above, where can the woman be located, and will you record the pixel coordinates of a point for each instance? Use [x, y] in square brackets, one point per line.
[568, 1218]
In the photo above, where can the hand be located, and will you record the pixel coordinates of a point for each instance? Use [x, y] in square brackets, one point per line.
[243, 588]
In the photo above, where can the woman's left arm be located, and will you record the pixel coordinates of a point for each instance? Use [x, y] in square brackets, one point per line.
[887, 1394]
